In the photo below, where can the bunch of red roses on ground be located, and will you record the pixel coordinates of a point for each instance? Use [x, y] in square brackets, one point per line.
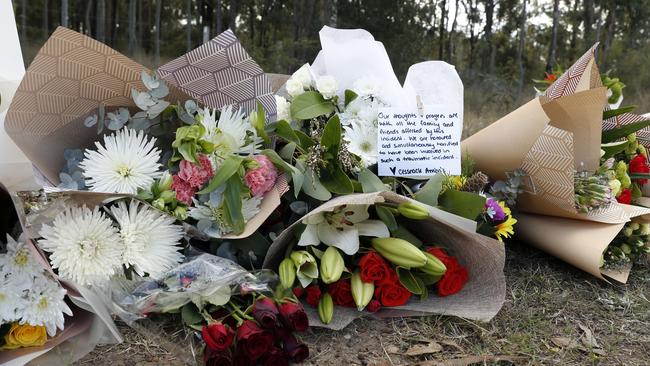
[261, 335]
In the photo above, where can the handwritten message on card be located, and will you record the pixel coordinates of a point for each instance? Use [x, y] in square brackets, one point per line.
[411, 144]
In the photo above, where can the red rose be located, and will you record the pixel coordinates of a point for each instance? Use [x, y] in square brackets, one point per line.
[217, 358]
[276, 357]
[392, 294]
[373, 306]
[453, 281]
[294, 317]
[266, 313]
[296, 350]
[298, 291]
[313, 295]
[639, 165]
[240, 358]
[391, 277]
[217, 336]
[439, 253]
[373, 267]
[253, 340]
[341, 293]
[625, 196]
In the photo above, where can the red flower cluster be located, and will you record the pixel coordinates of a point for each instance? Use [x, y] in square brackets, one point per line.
[454, 278]
[625, 196]
[267, 338]
[639, 165]
[388, 290]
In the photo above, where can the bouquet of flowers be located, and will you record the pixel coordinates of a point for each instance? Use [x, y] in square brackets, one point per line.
[233, 311]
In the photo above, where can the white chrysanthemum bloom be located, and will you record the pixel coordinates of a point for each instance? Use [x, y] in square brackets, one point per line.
[327, 86]
[231, 134]
[45, 305]
[86, 247]
[283, 108]
[367, 86]
[362, 141]
[126, 162]
[18, 262]
[150, 238]
[10, 300]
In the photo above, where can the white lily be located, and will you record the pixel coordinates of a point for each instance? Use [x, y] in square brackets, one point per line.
[341, 228]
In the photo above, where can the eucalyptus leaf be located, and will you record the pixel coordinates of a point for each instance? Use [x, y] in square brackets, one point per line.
[429, 193]
[150, 81]
[161, 91]
[370, 182]
[157, 108]
[90, 120]
[410, 281]
[226, 170]
[310, 105]
[142, 99]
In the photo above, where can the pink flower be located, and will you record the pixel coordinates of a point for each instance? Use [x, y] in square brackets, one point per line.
[196, 174]
[262, 179]
[184, 191]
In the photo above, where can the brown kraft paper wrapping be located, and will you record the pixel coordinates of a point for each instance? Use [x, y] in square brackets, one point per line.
[481, 298]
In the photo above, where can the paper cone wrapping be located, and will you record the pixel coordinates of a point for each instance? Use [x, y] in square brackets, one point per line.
[481, 298]
[90, 324]
[72, 75]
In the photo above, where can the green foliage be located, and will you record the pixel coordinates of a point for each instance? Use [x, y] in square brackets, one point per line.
[310, 105]
[466, 204]
[621, 132]
[227, 169]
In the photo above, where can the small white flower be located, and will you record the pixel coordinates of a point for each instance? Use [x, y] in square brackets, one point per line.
[367, 86]
[294, 87]
[10, 300]
[303, 76]
[283, 108]
[150, 238]
[18, 262]
[85, 246]
[126, 162]
[231, 134]
[45, 305]
[362, 141]
[327, 86]
[341, 228]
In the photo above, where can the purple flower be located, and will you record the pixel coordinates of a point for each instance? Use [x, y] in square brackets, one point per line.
[493, 210]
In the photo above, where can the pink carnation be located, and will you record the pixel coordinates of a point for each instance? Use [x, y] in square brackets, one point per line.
[262, 179]
[194, 174]
[184, 191]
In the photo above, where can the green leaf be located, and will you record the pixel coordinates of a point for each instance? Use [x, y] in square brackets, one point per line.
[428, 279]
[466, 204]
[310, 105]
[287, 151]
[312, 185]
[387, 217]
[370, 182]
[232, 202]
[331, 138]
[191, 314]
[296, 175]
[305, 141]
[350, 96]
[336, 181]
[258, 120]
[188, 151]
[284, 130]
[224, 172]
[409, 280]
[623, 131]
[429, 193]
[403, 233]
[613, 148]
[617, 112]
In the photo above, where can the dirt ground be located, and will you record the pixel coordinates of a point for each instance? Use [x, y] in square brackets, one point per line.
[553, 314]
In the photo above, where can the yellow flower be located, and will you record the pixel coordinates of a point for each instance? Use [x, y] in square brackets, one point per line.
[24, 336]
[506, 209]
[457, 181]
[505, 229]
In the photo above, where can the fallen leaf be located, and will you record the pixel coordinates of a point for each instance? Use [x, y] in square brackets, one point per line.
[565, 342]
[470, 360]
[420, 349]
[588, 338]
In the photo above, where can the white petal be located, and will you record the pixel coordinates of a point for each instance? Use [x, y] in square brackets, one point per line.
[359, 213]
[304, 281]
[309, 236]
[314, 219]
[346, 239]
[375, 228]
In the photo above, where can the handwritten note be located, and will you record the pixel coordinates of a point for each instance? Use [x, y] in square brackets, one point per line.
[411, 144]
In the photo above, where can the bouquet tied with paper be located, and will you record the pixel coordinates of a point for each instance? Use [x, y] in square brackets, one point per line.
[569, 208]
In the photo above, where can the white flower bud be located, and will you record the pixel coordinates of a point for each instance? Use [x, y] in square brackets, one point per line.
[327, 86]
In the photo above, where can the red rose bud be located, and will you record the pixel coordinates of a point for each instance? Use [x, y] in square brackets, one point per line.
[373, 267]
[313, 295]
[217, 358]
[639, 165]
[266, 313]
[296, 350]
[373, 306]
[217, 336]
[454, 279]
[294, 317]
[298, 291]
[276, 357]
[341, 293]
[625, 196]
[392, 294]
[253, 340]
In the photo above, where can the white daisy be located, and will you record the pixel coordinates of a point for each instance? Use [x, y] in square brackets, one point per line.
[362, 141]
[10, 300]
[18, 261]
[126, 162]
[150, 238]
[232, 134]
[45, 305]
[85, 246]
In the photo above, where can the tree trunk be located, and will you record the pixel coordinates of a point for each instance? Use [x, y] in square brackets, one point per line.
[522, 44]
[443, 18]
[110, 10]
[489, 51]
[157, 33]
[100, 18]
[87, 27]
[218, 26]
[132, 35]
[116, 19]
[588, 21]
[610, 25]
[140, 24]
[64, 13]
[23, 21]
[45, 25]
[451, 51]
[188, 28]
[550, 62]
[232, 14]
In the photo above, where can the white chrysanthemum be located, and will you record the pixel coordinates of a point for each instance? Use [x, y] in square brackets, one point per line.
[45, 305]
[85, 246]
[18, 262]
[126, 162]
[367, 85]
[362, 141]
[10, 300]
[232, 134]
[150, 238]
